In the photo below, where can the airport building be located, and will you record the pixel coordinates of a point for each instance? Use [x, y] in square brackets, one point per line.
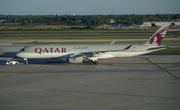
[3, 21]
[159, 23]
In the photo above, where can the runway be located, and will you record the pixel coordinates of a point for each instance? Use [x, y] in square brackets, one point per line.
[135, 83]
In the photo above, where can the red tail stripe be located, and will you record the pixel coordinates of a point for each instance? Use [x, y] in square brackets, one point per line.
[164, 29]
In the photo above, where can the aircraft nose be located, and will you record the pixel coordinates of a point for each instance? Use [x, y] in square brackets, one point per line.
[19, 55]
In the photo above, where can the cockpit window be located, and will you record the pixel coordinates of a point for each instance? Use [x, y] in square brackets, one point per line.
[22, 50]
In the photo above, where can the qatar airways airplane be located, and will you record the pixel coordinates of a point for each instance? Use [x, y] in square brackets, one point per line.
[92, 52]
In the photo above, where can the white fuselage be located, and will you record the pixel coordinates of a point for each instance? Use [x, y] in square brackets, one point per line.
[57, 51]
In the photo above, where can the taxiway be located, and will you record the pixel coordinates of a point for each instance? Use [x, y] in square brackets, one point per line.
[136, 83]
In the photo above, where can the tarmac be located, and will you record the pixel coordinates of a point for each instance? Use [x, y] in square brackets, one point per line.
[147, 82]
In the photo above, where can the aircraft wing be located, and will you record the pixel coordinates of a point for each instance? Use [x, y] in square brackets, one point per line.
[92, 53]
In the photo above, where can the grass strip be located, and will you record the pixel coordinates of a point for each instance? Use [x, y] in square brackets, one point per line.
[76, 37]
[84, 34]
[117, 42]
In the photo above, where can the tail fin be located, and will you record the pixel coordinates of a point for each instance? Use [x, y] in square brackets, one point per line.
[157, 37]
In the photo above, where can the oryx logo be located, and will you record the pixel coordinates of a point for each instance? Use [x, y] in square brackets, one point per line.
[158, 36]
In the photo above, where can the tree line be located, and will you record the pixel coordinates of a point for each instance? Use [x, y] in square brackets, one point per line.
[89, 20]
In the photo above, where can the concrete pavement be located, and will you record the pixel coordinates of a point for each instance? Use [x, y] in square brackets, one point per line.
[115, 84]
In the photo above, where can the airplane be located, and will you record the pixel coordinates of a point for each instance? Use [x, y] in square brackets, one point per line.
[77, 53]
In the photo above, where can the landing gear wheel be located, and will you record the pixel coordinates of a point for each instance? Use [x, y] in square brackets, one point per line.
[91, 62]
[26, 62]
[96, 63]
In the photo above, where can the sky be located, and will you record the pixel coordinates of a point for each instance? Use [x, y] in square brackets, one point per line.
[88, 7]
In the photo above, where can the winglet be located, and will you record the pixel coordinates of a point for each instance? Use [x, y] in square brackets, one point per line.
[127, 47]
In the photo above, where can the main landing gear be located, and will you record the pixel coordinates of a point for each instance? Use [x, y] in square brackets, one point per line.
[91, 62]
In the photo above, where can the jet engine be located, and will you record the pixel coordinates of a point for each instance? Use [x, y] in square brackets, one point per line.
[75, 59]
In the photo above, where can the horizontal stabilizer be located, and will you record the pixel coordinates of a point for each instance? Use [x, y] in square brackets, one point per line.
[113, 42]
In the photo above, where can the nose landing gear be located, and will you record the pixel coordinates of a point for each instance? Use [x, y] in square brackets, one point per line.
[26, 61]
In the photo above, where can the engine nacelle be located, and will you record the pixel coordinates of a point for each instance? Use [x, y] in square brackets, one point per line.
[77, 59]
